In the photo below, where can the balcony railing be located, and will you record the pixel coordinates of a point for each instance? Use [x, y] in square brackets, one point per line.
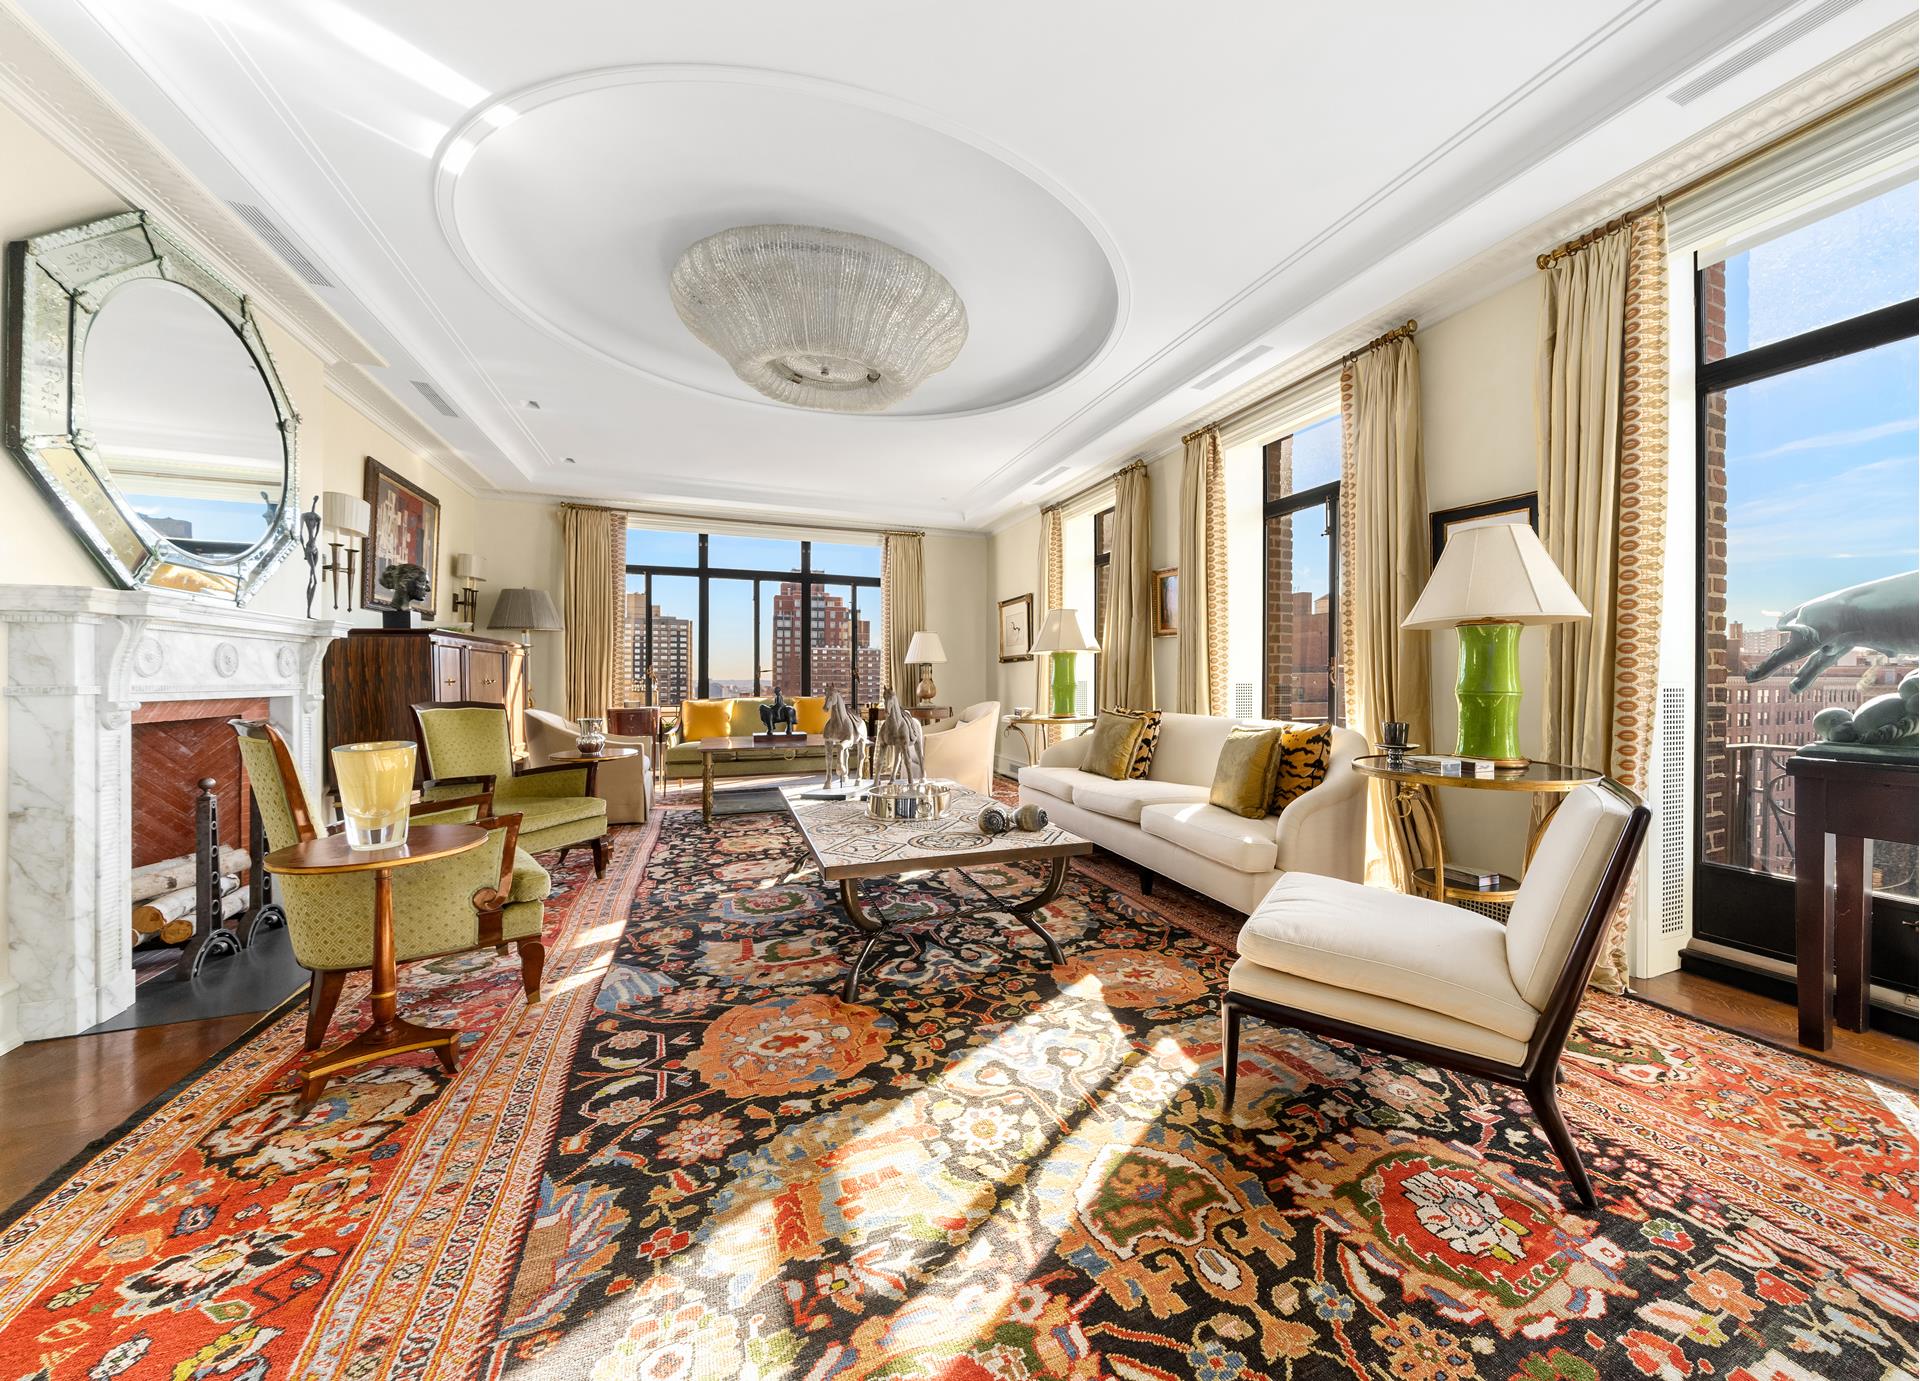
[1760, 823]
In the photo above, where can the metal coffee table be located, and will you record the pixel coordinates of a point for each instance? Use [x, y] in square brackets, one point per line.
[846, 845]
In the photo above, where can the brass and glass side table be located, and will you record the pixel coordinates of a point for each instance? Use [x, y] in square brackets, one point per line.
[1046, 724]
[1416, 819]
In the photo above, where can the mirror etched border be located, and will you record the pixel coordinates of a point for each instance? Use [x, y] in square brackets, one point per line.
[57, 284]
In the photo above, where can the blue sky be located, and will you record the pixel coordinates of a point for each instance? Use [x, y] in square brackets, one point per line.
[730, 602]
[1823, 474]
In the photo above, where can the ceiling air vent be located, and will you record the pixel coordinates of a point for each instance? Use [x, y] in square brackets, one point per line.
[433, 397]
[1230, 366]
[280, 243]
[1759, 50]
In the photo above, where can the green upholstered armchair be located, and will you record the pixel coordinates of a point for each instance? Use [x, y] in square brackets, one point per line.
[467, 749]
[486, 898]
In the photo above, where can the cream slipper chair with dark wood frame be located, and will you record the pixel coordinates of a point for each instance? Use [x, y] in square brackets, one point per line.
[1438, 983]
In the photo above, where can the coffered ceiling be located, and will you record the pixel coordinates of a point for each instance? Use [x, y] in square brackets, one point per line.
[1143, 206]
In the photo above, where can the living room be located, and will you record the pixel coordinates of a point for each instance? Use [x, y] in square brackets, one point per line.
[1013, 694]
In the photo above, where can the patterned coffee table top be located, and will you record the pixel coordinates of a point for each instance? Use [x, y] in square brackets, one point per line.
[846, 842]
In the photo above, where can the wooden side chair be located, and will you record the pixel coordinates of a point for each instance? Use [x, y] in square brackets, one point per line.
[467, 748]
[488, 898]
[1441, 984]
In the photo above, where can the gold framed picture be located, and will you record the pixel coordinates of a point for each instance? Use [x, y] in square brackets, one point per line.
[1016, 629]
[1166, 602]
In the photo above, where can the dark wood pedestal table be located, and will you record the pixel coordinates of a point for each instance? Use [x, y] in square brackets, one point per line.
[389, 1033]
[846, 845]
[1841, 802]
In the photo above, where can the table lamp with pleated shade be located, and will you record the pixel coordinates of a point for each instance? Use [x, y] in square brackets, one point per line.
[1491, 582]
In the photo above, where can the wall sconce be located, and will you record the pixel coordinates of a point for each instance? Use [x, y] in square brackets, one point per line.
[348, 517]
[466, 570]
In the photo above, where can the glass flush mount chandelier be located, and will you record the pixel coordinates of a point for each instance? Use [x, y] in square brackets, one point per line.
[819, 318]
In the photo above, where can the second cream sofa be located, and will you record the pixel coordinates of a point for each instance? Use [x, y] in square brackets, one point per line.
[1162, 822]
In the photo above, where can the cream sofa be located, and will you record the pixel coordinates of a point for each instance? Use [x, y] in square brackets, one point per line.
[1163, 823]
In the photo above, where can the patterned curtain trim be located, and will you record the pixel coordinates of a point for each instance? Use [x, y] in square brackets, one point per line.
[1053, 585]
[625, 686]
[1202, 600]
[1216, 575]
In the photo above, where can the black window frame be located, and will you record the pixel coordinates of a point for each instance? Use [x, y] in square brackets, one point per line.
[807, 578]
[1285, 506]
[1734, 906]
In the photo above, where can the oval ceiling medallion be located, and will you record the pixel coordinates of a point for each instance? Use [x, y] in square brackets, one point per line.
[573, 201]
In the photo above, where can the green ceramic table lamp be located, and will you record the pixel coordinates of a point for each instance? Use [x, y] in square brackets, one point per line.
[1490, 581]
[1061, 634]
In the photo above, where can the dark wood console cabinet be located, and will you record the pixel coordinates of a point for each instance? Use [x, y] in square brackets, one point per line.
[374, 676]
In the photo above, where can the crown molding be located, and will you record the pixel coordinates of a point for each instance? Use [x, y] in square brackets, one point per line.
[1868, 64]
[39, 81]
[370, 398]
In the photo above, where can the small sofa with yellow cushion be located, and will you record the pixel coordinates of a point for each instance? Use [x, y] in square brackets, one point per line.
[466, 748]
[740, 718]
[1164, 822]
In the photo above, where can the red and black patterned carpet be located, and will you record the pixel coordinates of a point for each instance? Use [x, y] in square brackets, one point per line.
[694, 1160]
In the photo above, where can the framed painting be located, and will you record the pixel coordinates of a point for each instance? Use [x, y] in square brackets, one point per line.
[1016, 629]
[405, 527]
[1515, 508]
[1166, 602]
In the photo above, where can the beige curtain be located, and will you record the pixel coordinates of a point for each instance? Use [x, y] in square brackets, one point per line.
[903, 604]
[1053, 591]
[1384, 563]
[592, 609]
[1202, 611]
[1600, 407]
[1126, 647]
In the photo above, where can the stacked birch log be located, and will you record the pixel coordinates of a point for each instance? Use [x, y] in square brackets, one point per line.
[165, 899]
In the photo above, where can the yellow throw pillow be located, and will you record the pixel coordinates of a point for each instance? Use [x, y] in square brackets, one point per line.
[811, 711]
[705, 719]
[1249, 765]
[1305, 751]
[1115, 743]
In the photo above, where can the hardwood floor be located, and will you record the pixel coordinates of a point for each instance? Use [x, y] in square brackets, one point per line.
[56, 1096]
[1872, 1053]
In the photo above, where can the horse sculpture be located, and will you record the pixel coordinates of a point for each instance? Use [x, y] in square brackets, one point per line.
[899, 749]
[778, 716]
[842, 736]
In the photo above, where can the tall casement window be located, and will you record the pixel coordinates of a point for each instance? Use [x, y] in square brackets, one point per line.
[1809, 491]
[1300, 586]
[712, 615]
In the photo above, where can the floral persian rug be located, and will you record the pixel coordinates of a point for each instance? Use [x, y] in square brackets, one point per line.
[696, 1161]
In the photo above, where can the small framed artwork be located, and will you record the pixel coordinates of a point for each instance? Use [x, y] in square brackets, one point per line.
[406, 527]
[1016, 629]
[1515, 508]
[1166, 602]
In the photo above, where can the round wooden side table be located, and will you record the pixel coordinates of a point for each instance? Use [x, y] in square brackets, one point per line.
[388, 1033]
[610, 753]
[1416, 821]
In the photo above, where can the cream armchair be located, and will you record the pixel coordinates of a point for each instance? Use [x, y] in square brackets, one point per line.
[1439, 983]
[625, 784]
[961, 749]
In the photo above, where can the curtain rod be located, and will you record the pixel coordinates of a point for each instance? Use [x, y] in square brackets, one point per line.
[1405, 328]
[1580, 242]
[712, 520]
[1137, 463]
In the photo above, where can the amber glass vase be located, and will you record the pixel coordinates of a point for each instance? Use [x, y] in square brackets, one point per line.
[376, 787]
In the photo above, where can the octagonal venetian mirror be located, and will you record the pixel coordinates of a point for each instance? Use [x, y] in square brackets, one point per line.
[143, 401]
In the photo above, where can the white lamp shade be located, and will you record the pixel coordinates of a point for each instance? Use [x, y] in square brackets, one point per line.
[345, 513]
[1060, 631]
[467, 566]
[924, 647]
[1495, 574]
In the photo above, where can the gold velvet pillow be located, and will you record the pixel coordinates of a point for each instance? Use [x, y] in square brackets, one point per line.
[1305, 751]
[705, 719]
[1116, 743]
[1249, 765]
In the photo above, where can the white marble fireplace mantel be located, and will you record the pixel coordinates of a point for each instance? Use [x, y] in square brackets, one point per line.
[79, 661]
